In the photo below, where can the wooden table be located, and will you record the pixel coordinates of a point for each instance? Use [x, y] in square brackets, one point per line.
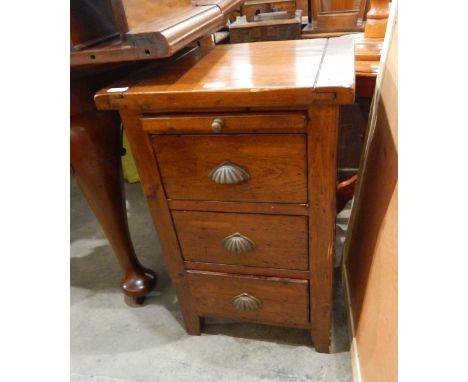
[109, 39]
[237, 158]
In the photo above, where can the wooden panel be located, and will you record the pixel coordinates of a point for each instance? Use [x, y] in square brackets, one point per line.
[280, 241]
[283, 301]
[371, 246]
[114, 51]
[244, 75]
[322, 142]
[143, 29]
[232, 123]
[276, 165]
[329, 76]
[154, 192]
[139, 12]
[170, 34]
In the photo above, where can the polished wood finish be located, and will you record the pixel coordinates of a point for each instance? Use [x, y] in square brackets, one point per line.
[310, 71]
[226, 6]
[231, 123]
[276, 165]
[377, 17]
[146, 29]
[168, 35]
[115, 51]
[95, 157]
[95, 149]
[152, 187]
[292, 176]
[284, 301]
[168, 25]
[280, 241]
[369, 46]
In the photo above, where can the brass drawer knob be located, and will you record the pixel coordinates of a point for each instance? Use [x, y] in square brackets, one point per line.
[217, 125]
[228, 173]
[246, 302]
[237, 243]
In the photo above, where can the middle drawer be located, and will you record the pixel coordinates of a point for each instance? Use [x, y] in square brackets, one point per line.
[271, 241]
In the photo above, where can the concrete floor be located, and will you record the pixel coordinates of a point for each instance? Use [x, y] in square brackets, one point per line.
[112, 342]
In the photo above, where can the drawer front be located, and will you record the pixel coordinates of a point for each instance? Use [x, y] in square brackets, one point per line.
[270, 241]
[225, 123]
[268, 300]
[248, 168]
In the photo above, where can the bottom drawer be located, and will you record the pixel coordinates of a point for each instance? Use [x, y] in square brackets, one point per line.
[269, 300]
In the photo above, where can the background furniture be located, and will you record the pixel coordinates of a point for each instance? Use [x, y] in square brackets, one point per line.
[238, 166]
[369, 46]
[129, 30]
[334, 17]
[252, 8]
[99, 48]
[95, 150]
[275, 26]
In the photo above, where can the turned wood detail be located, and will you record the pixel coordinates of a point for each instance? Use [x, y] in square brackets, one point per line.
[95, 158]
[377, 18]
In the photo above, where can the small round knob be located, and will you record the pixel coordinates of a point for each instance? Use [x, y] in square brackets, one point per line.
[217, 125]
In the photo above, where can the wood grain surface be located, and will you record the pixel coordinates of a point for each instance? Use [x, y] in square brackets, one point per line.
[276, 165]
[281, 241]
[154, 192]
[291, 175]
[284, 301]
[232, 123]
[244, 75]
[322, 143]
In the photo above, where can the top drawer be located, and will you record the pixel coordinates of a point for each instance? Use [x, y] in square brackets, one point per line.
[225, 123]
[235, 168]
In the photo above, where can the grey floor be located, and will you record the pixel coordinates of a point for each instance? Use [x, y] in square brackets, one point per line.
[112, 342]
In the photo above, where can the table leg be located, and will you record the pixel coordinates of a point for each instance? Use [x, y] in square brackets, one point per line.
[95, 158]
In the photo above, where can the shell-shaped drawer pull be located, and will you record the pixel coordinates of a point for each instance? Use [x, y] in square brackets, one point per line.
[217, 125]
[237, 243]
[246, 302]
[228, 173]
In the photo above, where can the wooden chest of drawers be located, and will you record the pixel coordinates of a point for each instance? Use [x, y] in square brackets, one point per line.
[236, 150]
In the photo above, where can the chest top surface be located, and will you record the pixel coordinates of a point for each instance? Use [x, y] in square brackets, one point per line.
[277, 73]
